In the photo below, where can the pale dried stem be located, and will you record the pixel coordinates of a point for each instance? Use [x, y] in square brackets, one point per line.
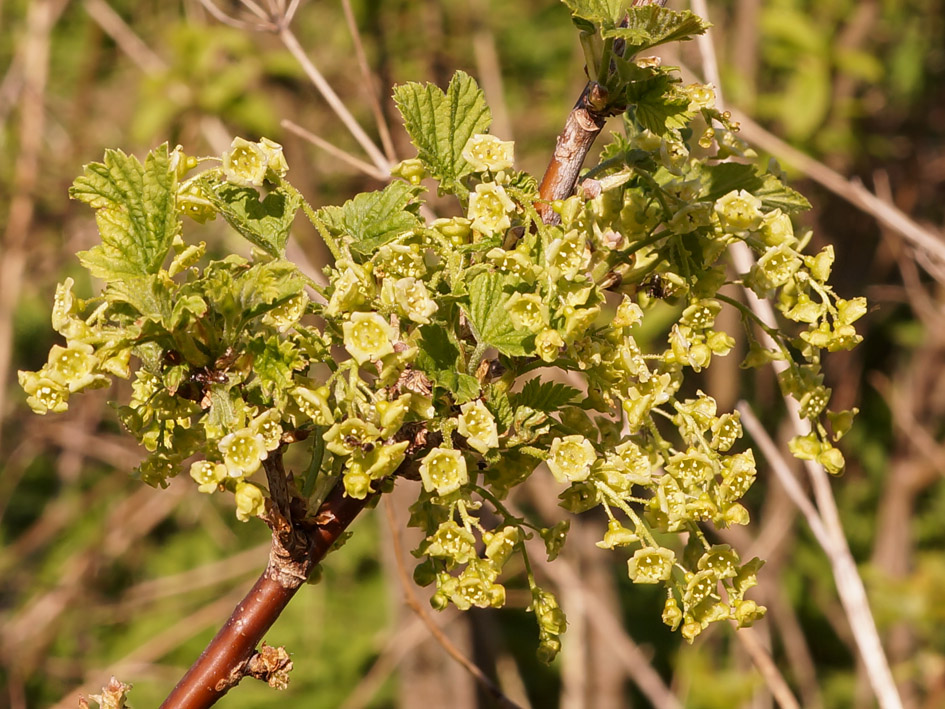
[765, 665]
[411, 600]
[408, 636]
[337, 105]
[40, 18]
[115, 27]
[489, 69]
[370, 80]
[335, 151]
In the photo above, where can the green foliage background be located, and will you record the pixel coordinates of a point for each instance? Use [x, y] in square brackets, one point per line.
[98, 570]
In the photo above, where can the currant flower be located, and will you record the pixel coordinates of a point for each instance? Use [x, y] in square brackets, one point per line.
[617, 536]
[739, 211]
[314, 404]
[501, 544]
[414, 300]
[489, 209]
[548, 344]
[777, 229]
[192, 202]
[651, 565]
[486, 152]
[477, 425]
[528, 311]
[351, 289]
[353, 433]
[700, 96]
[457, 229]
[245, 163]
[74, 366]
[243, 452]
[571, 458]
[267, 425]
[452, 542]
[568, 256]
[774, 269]
[628, 314]
[208, 475]
[250, 501]
[411, 170]
[367, 336]
[721, 560]
[43, 394]
[284, 316]
[66, 308]
[443, 470]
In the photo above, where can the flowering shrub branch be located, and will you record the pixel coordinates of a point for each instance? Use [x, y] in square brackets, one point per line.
[442, 326]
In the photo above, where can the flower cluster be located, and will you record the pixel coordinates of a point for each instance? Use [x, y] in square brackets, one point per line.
[430, 353]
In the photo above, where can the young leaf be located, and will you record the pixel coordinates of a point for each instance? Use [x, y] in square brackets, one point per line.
[544, 396]
[374, 218]
[265, 223]
[656, 106]
[441, 123]
[274, 360]
[136, 212]
[438, 358]
[651, 26]
[775, 194]
[720, 179]
[488, 315]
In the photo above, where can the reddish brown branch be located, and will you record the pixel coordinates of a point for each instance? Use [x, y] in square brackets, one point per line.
[227, 658]
[584, 124]
[581, 129]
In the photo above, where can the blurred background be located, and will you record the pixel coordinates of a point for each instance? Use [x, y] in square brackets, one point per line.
[100, 574]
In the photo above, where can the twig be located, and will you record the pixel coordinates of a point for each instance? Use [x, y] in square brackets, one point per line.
[581, 129]
[337, 105]
[370, 81]
[832, 540]
[220, 667]
[411, 600]
[116, 28]
[335, 151]
[762, 660]
[36, 42]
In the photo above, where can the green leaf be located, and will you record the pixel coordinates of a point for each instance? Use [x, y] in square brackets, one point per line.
[438, 358]
[274, 360]
[265, 223]
[720, 179]
[488, 315]
[375, 218]
[136, 212]
[441, 123]
[658, 106]
[544, 396]
[500, 405]
[265, 286]
[651, 26]
[774, 194]
[603, 13]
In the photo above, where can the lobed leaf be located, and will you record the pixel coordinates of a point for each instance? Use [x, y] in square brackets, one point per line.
[489, 318]
[440, 124]
[264, 223]
[544, 396]
[438, 358]
[136, 212]
[373, 219]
